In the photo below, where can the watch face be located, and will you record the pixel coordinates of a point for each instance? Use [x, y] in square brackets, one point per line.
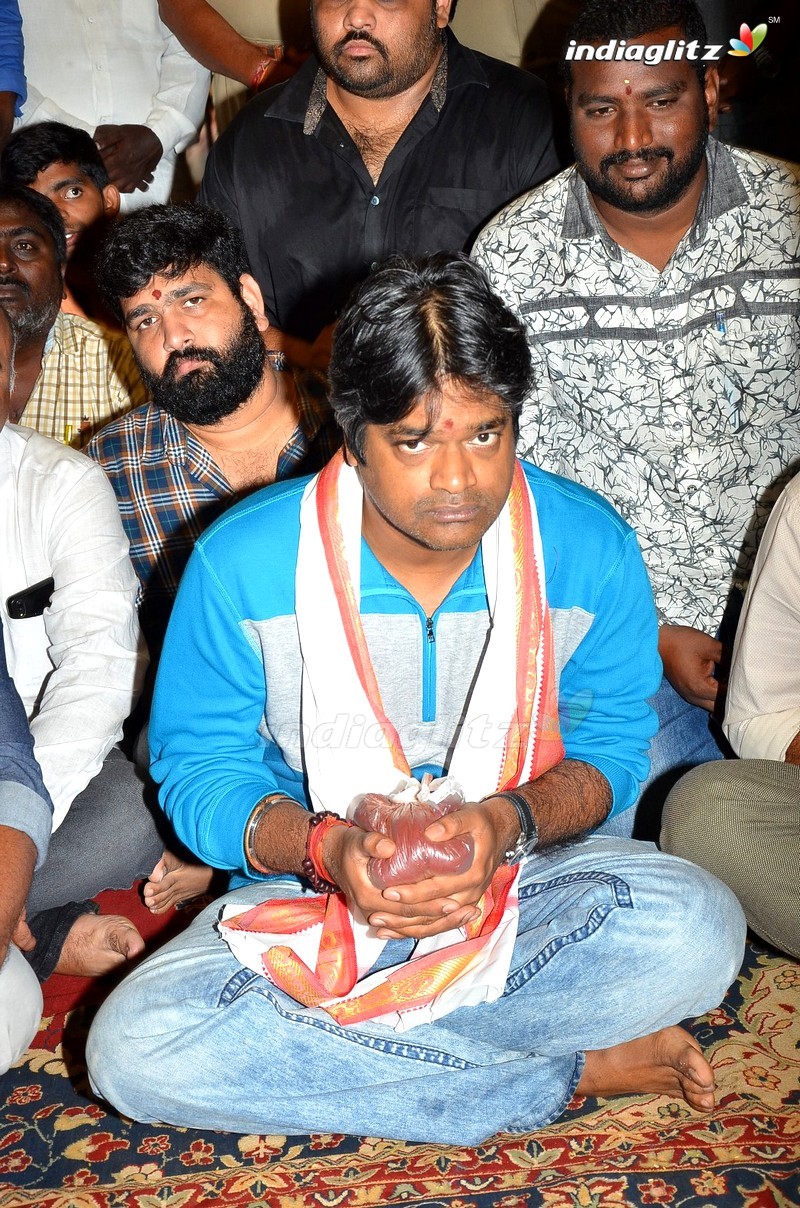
[518, 852]
[524, 846]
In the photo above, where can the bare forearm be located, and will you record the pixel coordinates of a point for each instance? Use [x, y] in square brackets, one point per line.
[210, 39]
[567, 801]
[278, 841]
[17, 862]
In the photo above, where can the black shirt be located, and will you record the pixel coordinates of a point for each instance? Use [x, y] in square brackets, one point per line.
[289, 175]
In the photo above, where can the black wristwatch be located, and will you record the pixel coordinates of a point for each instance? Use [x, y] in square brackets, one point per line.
[528, 830]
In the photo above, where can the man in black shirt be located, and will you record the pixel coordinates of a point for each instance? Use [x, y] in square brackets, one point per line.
[394, 138]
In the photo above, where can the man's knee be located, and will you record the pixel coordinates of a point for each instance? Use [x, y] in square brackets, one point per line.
[739, 820]
[694, 808]
[685, 924]
[713, 800]
[20, 1007]
[132, 1045]
[109, 837]
[142, 1031]
[118, 1058]
[716, 815]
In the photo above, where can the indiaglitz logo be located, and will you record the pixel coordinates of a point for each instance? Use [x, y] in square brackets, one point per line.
[748, 40]
[620, 51]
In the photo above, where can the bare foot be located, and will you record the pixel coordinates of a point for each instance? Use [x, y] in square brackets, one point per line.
[173, 881]
[669, 1062]
[98, 943]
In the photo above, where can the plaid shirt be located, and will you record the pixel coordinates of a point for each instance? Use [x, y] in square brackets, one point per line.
[88, 377]
[169, 489]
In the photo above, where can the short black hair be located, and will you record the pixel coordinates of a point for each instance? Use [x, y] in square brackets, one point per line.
[410, 325]
[43, 208]
[36, 147]
[168, 240]
[600, 21]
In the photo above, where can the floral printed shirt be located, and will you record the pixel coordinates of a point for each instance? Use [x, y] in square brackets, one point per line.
[673, 393]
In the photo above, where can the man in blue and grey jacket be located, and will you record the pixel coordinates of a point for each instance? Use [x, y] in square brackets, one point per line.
[411, 609]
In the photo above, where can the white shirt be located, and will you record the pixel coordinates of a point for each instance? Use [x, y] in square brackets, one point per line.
[78, 667]
[763, 710]
[95, 62]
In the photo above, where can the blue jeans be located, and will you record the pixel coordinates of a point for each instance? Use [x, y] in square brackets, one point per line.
[687, 736]
[615, 941]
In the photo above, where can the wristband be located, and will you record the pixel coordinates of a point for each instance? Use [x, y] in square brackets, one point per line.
[314, 870]
[253, 822]
[528, 830]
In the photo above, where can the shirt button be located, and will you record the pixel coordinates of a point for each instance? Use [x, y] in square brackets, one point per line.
[375, 201]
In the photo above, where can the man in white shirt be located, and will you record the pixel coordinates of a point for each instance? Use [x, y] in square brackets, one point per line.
[113, 68]
[71, 638]
[741, 818]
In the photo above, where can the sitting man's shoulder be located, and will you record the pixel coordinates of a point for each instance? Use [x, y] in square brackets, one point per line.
[268, 520]
[574, 512]
[57, 465]
[505, 79]
[765, 173]
[532, 223]
[86, 343]
[76, 331]
[786, 513]
[134, 435]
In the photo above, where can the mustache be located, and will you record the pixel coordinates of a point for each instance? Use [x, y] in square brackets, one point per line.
[643, 155]
[190, 354]
[23, 285]
[464, 499]
[360, 35]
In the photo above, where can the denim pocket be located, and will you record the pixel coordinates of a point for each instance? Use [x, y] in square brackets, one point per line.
[558, 913]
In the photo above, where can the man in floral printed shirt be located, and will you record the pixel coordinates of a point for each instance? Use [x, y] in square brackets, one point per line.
[659, 283]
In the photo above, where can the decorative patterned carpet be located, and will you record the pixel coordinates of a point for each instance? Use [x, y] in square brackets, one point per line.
[61, 1149]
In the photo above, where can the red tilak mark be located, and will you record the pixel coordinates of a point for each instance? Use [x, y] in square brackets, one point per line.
[156, 294]
[628, 89]
[447, 424]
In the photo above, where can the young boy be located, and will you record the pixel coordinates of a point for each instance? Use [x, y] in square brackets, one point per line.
[64, 164]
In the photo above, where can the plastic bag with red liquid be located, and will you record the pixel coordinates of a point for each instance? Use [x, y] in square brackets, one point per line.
[403, 816]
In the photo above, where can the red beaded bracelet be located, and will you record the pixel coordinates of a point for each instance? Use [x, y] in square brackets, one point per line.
[314, 870]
